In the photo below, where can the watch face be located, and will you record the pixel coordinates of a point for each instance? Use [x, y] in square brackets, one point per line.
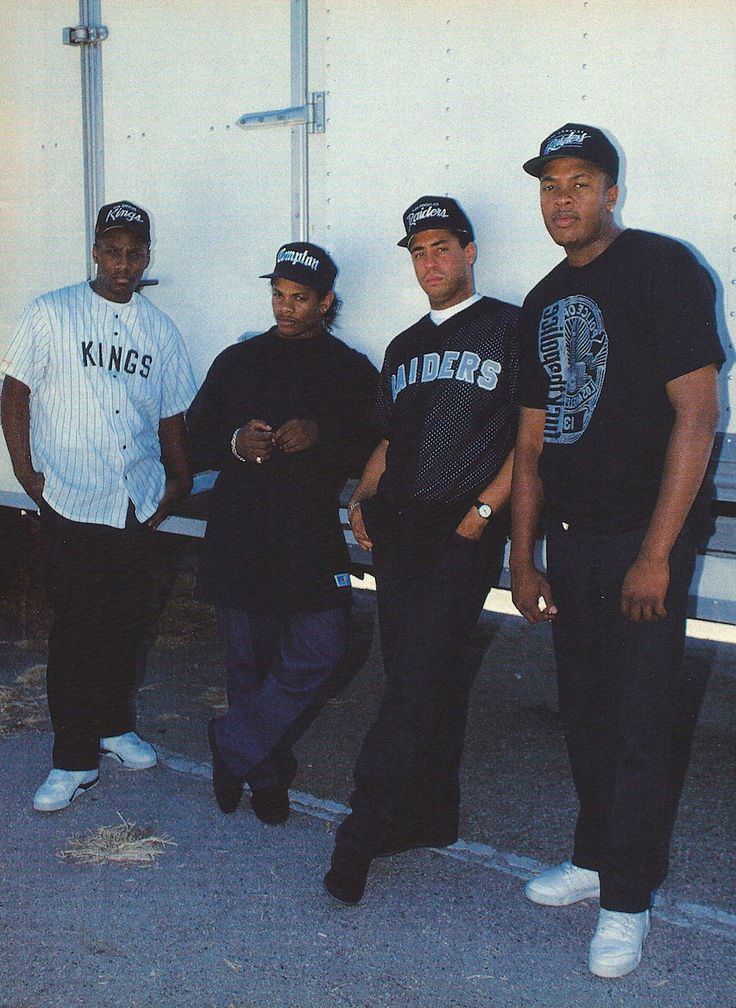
[485, 510]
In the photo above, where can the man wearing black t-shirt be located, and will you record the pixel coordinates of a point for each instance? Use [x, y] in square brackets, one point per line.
[618, 394]
[427, 506]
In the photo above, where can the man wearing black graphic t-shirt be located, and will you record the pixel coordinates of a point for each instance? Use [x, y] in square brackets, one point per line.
[427, 506]
[619, 358]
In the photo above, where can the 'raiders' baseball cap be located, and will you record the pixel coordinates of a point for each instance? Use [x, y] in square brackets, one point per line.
[578, 141]
[430, 212]
[304, 263]
[124, 215]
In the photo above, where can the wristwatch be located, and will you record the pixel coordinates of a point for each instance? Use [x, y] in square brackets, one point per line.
[484, 510]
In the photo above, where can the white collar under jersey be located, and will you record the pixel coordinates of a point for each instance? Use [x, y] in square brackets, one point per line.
[438, 317]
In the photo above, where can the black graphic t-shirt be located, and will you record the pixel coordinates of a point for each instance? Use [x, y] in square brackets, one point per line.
[445, 406]
[598, 345]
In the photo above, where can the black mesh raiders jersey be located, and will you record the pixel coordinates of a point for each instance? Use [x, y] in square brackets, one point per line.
[445, 405]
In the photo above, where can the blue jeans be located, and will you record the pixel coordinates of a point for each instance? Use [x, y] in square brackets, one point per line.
[621, 688]
[277, 669]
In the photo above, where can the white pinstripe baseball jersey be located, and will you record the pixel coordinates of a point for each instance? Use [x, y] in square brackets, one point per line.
[101, 375]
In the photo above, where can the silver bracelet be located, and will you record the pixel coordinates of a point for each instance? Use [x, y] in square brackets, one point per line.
[234, 446]
[352, 505]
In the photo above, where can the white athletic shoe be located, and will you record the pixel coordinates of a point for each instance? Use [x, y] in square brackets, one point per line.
[617, 943]
[563, 885]
[62, 787]
[129, 750]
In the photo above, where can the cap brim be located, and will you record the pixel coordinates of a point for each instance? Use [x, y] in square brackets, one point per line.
[303, 281]
[136, 229]
[535, 166]
[404, 243]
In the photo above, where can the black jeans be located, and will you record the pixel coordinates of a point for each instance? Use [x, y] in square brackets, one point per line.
[430, 596]
[99, 583]
[621, 686]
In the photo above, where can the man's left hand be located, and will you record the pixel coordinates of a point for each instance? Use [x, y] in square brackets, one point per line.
[176, 490]
[296, 436]
[472, 526]
[644, 590]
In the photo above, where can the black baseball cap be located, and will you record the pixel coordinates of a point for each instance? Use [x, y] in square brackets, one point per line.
[430, 212]
[124, 215]
[578, 141]
[304, 263]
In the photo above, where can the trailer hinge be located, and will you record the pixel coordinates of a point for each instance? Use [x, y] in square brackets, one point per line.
[84, 35]
[311, 115]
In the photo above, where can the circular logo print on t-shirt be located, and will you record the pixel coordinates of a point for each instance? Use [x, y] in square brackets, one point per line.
[573, 349]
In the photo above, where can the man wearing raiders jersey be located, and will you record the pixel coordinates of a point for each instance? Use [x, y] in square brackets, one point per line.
[428, 506]
[96, 383]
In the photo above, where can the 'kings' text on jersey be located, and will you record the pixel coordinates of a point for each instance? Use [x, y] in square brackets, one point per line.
[115, 358]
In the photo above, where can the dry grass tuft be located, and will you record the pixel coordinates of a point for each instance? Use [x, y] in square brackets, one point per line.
[23, 705]
[184, 621]
[123, 844]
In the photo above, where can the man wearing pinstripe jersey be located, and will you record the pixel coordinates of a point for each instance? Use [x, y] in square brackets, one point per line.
[97, 380]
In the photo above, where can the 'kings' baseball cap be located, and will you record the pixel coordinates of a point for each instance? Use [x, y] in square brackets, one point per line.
[124, 215]
[304, 263]
[430, 212]
[578, 141]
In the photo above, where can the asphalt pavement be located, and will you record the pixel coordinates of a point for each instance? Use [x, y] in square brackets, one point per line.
[233, 915]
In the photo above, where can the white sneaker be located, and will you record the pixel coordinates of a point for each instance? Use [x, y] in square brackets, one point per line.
[62, 787]
[129, 750]
[616, 946]
[563, 885]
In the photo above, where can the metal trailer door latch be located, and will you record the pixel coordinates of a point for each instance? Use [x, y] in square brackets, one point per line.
[311, 115]
[84, 35]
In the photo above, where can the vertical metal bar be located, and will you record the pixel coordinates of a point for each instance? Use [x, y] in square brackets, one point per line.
[299, 139]
[90, 55]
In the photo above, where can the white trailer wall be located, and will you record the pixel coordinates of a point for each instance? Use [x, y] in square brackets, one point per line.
[429, 97]
[422, 97]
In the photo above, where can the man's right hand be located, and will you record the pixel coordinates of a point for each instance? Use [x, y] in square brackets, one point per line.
[528, 585]
[255, 441]
[355, 517]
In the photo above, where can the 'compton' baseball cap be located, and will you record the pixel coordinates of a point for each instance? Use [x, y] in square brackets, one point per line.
[125, 215]
[430, 212]
[578, 141]
[304, 263]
